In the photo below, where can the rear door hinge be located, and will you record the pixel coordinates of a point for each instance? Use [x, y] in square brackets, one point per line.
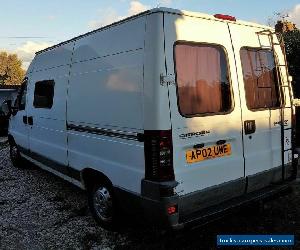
[167, 80]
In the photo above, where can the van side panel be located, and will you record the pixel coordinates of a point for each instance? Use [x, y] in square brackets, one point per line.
[53, 58]
[105, 100]
[121, 38]
[108, 92]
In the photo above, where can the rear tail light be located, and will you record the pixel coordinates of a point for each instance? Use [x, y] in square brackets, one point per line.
[225, 17]
[172, 210]
[159, 155]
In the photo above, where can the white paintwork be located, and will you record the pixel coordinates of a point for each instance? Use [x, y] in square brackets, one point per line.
[51, 123]
[111, 79]
[111, 41]
[59, 56]
[106, 91]
[155, 95]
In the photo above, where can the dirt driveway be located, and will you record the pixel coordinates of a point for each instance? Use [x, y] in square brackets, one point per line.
[41, 211]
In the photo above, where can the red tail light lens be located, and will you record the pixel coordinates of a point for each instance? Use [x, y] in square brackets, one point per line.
[159, 155]
[225, 17]
[172, 210]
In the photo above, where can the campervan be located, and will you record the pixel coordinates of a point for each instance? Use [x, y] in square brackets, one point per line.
[175, 115]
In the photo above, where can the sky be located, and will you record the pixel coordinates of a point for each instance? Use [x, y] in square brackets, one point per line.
[32, 25]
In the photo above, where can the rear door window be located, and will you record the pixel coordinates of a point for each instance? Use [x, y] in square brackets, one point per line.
[203, 83]
[260, 78]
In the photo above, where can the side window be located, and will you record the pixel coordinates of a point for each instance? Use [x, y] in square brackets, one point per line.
[43, 94]
[260, 79]
[203, 84]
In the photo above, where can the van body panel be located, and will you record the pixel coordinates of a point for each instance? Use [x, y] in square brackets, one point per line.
[56, 57]
[106, 94]
[117, 82]
[210, 128]
[114, 40]
[156, 99]
[108, 155]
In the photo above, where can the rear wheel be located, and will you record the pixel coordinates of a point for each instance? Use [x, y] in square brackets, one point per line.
[103, 205]
[15, 155]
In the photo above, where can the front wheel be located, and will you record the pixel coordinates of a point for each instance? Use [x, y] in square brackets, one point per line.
[15, 156]
[103, 205]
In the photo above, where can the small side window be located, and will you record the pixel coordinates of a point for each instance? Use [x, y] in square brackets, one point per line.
[43, 94]
[203, 82]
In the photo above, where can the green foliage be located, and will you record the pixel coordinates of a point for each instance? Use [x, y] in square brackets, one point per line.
[11, 71]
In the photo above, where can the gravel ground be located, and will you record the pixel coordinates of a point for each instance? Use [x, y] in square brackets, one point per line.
[41, 211]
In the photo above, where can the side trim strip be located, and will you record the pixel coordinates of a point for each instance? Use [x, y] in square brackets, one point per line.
[52, 171]
[63, 169]
[107, 132]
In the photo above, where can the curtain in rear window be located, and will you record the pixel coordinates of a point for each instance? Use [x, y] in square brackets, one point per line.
[261, 84]
[202, 79]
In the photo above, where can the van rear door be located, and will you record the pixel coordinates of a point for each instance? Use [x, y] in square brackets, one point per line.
[205, 108]
[260, 102]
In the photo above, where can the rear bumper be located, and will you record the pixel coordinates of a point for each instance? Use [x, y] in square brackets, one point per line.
[157, 210]
[215, 212]
[202, 206]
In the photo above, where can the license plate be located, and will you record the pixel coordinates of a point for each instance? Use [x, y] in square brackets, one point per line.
[201, 154]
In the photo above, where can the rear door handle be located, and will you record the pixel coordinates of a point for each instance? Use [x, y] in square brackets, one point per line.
[25, 119]
[221, 142]
[201, 145]
[30, 120]
[250, 127]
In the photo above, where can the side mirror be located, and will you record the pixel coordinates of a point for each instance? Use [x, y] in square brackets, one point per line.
[6, 108]
[290, 79]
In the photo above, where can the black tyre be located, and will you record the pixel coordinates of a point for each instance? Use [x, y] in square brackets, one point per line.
[15, 156]
[103, 205]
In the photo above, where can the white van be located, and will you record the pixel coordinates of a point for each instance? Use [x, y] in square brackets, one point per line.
[175, 114]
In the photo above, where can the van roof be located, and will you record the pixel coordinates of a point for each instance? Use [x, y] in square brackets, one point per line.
[156, 10]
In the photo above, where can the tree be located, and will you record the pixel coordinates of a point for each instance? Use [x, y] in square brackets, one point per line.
[11, 71]
[292, 46]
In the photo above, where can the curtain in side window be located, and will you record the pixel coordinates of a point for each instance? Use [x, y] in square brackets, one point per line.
[202, 79]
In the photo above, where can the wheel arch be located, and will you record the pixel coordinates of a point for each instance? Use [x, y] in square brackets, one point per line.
[90, 176]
